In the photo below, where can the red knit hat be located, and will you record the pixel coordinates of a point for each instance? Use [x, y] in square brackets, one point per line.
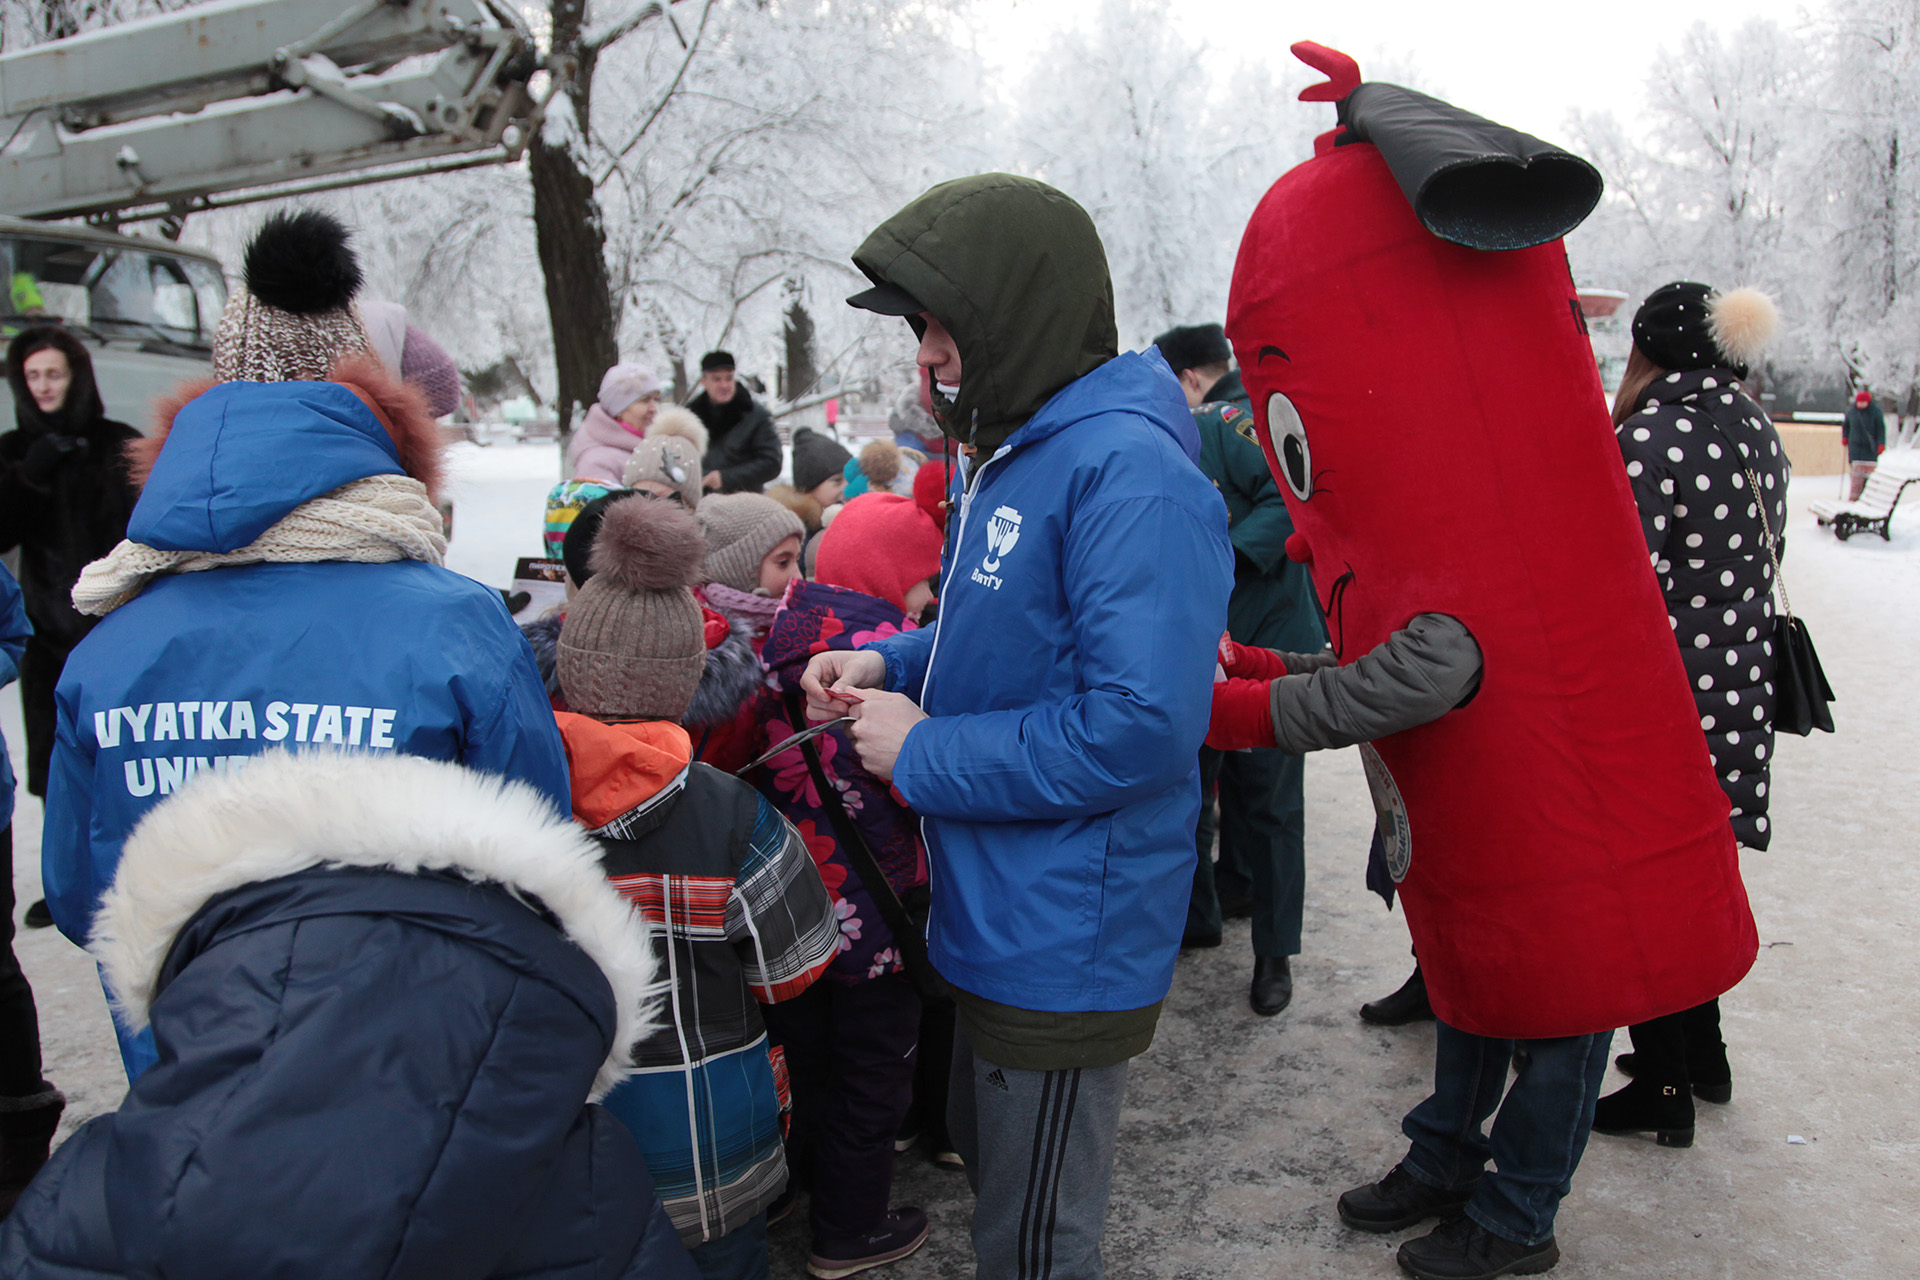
[930, 489]
[880, 544]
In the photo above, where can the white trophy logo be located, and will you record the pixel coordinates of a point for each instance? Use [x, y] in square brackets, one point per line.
[1002, 532]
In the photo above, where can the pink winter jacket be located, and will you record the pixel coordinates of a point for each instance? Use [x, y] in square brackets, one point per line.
[599, 449]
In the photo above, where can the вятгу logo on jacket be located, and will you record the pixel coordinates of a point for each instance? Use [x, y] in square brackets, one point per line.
[1003, 531]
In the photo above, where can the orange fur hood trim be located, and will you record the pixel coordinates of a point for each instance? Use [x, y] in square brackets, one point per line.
[401, 409]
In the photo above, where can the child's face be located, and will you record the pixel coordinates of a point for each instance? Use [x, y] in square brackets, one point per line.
[780, 566]
[828, 491]
[918, 598]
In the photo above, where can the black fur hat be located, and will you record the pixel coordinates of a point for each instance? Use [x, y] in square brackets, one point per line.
[303, 262]
[1193, 346]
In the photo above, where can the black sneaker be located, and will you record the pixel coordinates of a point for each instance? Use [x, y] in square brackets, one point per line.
[1398, 1201]
[38, 917]
[1462, 1249]
[901, 1232]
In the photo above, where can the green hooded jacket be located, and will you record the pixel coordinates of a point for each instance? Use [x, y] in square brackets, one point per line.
[1015, 271]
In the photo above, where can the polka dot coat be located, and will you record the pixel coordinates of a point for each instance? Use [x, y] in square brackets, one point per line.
[1708, 546]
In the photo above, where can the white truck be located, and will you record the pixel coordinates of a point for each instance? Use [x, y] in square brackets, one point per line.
[219, 104]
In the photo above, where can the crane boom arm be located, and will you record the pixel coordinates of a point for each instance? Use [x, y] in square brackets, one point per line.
[260, 97]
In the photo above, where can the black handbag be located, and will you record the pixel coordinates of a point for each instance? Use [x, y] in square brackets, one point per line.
[1800, 689]
[909, 935]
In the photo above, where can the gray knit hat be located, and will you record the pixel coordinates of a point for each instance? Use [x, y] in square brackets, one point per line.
[633, 646]
[293, 316]
[741, 529]
[816, 458]
[670, 454]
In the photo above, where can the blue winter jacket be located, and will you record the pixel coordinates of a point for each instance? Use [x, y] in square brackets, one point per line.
[14, 630]
[1069, 680]
[362, 1074]
[204, 668]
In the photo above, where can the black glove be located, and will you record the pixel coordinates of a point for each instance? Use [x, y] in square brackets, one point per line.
[44, 456]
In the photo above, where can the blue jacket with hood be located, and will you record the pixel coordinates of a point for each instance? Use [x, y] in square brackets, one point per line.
[203, 670]
[1069, 677]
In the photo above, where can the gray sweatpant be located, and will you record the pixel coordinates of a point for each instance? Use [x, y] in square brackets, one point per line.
[1039, 1152]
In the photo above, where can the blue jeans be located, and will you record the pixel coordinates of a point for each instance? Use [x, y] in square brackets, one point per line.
[741, 1254]
[1537, 1140]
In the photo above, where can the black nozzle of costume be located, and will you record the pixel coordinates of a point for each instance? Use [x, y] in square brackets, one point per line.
[1469, 180]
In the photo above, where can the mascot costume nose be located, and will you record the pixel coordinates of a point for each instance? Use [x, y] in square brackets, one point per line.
[1427, 397]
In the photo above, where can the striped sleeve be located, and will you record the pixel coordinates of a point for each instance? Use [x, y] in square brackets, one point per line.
[779, 914]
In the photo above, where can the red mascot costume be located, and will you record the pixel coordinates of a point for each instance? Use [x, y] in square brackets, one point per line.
[1425, 392]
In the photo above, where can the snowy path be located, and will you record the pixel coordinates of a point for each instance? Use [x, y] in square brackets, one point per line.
[1240, 1131]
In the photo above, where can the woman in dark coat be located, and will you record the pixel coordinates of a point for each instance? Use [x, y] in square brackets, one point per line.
[383, 990]
[64, 501]
[1698, 453]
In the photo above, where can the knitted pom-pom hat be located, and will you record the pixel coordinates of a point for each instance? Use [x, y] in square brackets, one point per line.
[1686, 325]
[670, 454]
[741, 529]
[293, 316]
[633, 646]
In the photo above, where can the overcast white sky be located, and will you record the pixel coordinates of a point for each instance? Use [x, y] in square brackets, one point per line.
[1524, 64]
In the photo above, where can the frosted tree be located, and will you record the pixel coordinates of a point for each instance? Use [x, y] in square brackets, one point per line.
[1872, 190]
[1709, 193]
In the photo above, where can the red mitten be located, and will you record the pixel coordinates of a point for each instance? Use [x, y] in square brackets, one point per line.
[1242, 715]
[1246, 661]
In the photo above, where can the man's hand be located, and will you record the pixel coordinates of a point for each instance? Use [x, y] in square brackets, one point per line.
[881, 722]
[711, 481]
[837, 671]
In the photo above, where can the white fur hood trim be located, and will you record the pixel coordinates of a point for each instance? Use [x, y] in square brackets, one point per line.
[284, 813]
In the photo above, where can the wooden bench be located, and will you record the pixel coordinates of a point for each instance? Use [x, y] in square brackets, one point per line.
[1872, 512]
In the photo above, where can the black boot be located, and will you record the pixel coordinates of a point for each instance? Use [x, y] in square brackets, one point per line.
[27, 1127]
[1462, 1249]
[1398, 1201]
[1408, 1004]
[1707, 1065]
[1665, 1110]
[1272, 988]
[1714, 1083]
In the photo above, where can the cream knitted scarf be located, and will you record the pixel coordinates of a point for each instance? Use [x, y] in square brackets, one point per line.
[371, 521]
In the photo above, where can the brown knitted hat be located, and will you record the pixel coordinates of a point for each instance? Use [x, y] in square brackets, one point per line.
[741, 529]
[633, 646]
[294, 316]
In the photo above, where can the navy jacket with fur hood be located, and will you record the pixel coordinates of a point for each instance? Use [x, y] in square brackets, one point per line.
[382, 990]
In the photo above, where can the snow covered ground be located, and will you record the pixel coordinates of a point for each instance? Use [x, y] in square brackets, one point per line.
[1240, 1131]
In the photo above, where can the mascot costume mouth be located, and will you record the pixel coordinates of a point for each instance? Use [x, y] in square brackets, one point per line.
[1427, 397]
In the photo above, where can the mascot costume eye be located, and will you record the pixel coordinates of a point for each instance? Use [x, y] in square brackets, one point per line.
[1426, 395]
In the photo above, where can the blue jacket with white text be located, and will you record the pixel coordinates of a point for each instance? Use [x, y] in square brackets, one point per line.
[203, 670]
[1069, 679]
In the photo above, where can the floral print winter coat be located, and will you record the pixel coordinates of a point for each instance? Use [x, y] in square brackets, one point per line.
[815, 618]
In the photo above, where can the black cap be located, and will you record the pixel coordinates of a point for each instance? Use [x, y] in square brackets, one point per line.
[887, 300]
[716, 360]
[1192, 346]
